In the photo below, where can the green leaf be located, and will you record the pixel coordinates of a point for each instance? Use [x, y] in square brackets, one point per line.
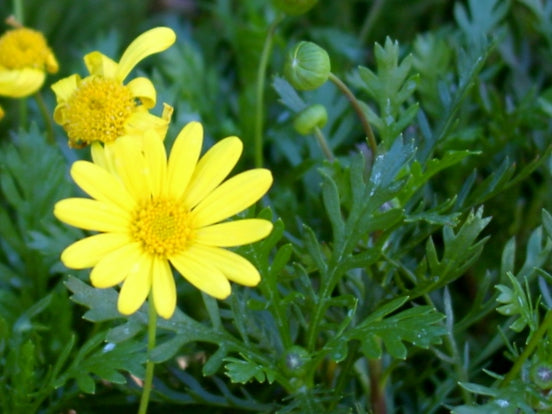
[102, 303]
[288, 95]
[106, 360]
[547, 222]
[485, 16]
[315, 250]
[517, 303]
[330, 195]
[390, 88]
[419, 325]
[243, 371]
[461, 250]
[420, 174]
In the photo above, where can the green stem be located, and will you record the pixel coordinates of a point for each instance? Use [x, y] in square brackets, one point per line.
[18, 11]
[326, 289]
[344, 374]
[371, 18]
[148, 380]
[360, 113]
[46, 115]
[259, 95]
[323, 144]
[533, 343]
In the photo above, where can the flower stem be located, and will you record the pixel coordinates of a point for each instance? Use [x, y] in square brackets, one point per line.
[46, 115]
[148, 380]
[259, 95]
[533, 343]
[18, 11]
[360, 113]
[323, 144]
[371, 17]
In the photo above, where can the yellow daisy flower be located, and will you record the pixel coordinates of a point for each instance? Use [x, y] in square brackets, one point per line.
[24, 60]
[152, 213]
[100, 107]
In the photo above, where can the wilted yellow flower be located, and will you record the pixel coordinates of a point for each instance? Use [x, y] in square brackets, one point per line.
[152, 213]
[100, 107]
[24, 60]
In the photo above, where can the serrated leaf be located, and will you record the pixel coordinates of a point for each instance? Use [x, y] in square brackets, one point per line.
[102, 303]
[288, 95]
[516, 302]
[390, 87]
[241, 371]
[420, 326]
[215, 361]
[313, 247]
[330, 196]
[104, 360]
[460, 252]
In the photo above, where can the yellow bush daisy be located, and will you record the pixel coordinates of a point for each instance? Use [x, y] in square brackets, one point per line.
[25, 57]
[100, 107]
[153, 213]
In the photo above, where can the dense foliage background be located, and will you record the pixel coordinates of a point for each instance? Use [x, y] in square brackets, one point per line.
[414, 280]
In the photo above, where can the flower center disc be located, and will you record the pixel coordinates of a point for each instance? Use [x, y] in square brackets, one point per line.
[98, 110]
[162, 227]
[23, 48]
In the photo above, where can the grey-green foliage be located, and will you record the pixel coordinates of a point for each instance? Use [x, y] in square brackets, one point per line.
[31, 181]
[391, 87]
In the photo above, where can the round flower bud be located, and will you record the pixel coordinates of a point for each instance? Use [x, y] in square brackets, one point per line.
[309, 118]
[295, 361]
[541, 374]
[307, 66]
[295, 7]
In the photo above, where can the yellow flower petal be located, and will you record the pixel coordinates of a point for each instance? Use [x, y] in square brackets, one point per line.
[163, 288]
[212, 168]
[156, 161]
[183, 158]
[143, 89]
[99, 64]
[65, 87]
[102, 157]
[89, 251]
[153, 41]
[232, 265]
[136, 286]
[1, 112]
[114, 267]
[131, 166]
[232, 196]
[201, 274]
[92, 215]
[51, 63]
[19, 83]
[234, 233]
[100, 184]
[141, 120]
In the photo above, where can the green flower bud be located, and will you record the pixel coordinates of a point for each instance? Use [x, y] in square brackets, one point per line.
[295, 361]
[295, 7]
[309, 118]
[541, 374]
[307, 66]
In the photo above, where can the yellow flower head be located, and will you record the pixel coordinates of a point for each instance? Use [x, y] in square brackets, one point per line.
[24, 60]
[153, 213]
[100, 107]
